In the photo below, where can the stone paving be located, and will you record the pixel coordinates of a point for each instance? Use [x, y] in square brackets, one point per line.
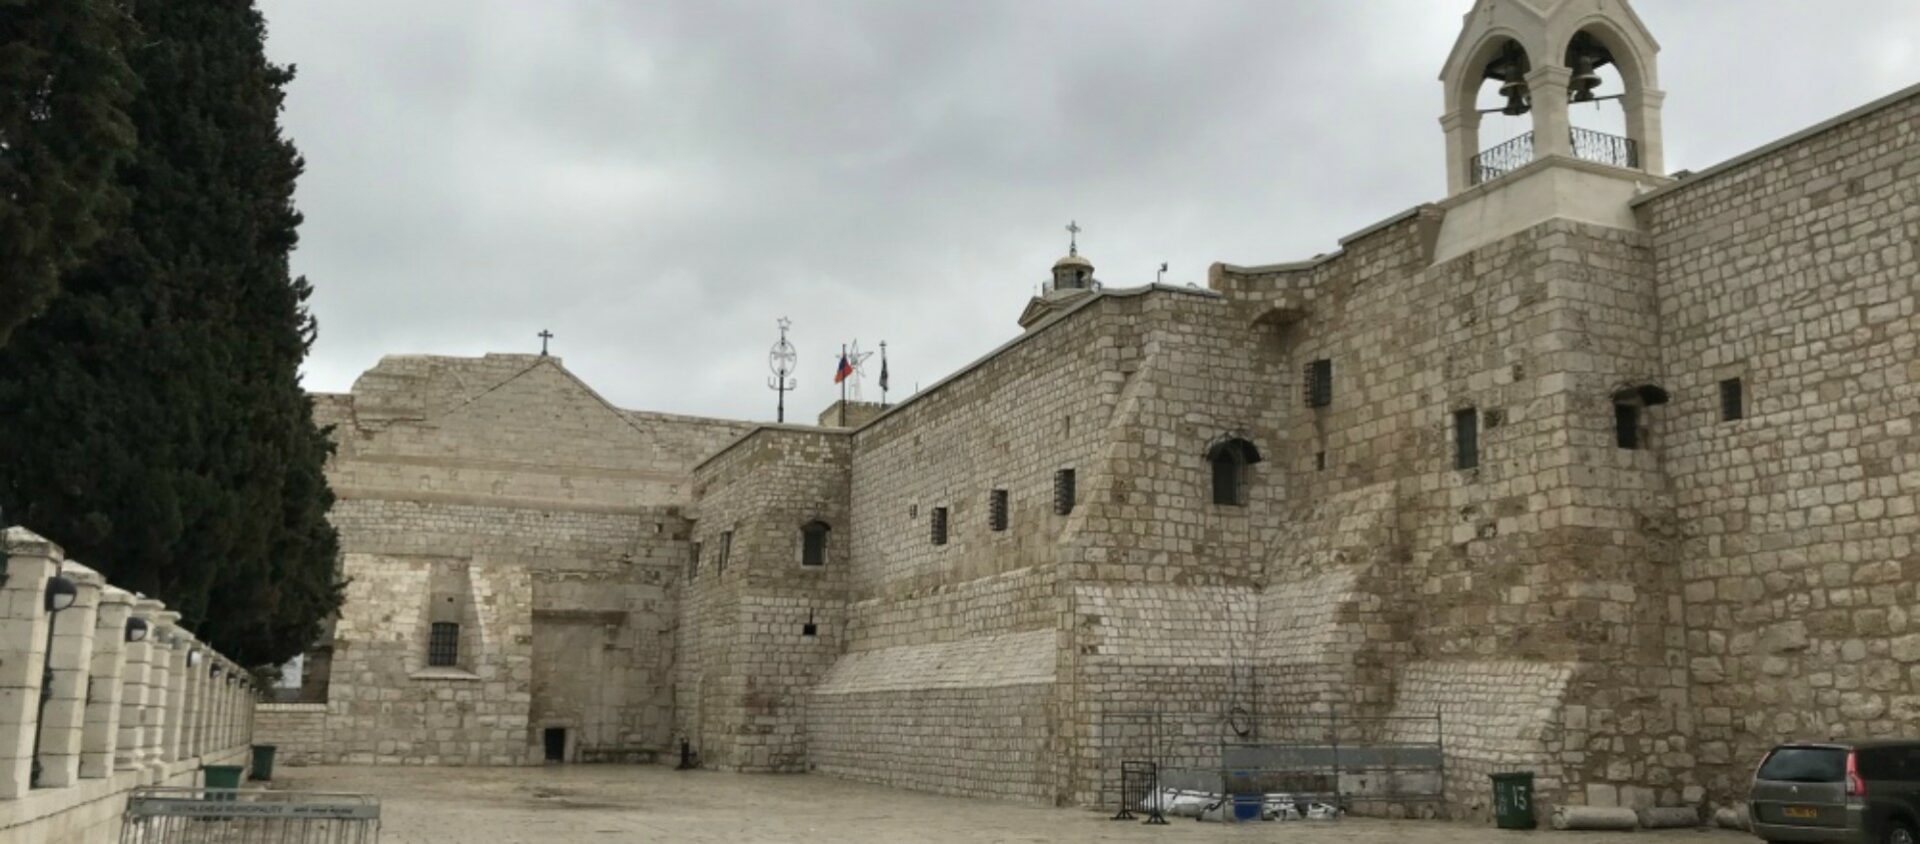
[634, 803]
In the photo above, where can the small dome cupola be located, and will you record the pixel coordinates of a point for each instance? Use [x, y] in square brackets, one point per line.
[1073, 272]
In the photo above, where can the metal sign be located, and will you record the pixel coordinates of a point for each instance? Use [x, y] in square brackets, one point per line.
[179, 815]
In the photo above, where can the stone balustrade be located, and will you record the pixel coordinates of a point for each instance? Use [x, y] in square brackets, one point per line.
[101, 691]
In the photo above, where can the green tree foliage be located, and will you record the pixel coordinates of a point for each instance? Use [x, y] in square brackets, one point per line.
[151, 419]
[63, 85]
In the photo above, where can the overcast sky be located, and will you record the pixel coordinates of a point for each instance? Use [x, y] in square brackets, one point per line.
[657, 182]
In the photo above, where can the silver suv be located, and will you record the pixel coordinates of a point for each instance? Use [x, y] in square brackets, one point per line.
[1858, 792]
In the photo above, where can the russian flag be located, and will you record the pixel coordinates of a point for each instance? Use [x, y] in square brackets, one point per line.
[845, 369]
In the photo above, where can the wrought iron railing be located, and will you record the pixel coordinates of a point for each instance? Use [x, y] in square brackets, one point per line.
[1501, 159]
[1603, 148]
[1587, 144]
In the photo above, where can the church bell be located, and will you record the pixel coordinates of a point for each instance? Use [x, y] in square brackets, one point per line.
[1584, 80]
[1516, 93]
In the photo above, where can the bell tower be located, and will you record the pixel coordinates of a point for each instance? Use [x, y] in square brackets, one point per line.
[1546, 55]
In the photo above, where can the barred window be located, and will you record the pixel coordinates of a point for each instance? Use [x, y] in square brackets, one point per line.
[726, 549]
[1063, 492]
[997, 509]
[443, 645]
[813, 543]
[1319, 383]
[939, 525]
[1230, 459]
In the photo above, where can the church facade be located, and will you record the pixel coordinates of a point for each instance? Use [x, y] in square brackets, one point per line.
[1612, 474]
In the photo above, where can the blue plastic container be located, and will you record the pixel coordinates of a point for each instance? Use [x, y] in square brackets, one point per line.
[1246, 807]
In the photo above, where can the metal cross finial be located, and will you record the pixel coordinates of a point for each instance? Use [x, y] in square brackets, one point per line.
[1073, 237]
[780, 360]
[544, 336]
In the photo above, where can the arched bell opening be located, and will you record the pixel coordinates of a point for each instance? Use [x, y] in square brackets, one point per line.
[1503, 103]
[1596, 103]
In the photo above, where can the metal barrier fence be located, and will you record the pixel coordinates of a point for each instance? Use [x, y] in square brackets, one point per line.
[1330, 758]
[231, 816]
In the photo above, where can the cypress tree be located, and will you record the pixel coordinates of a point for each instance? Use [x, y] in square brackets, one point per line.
[152, 419]
[63, 84]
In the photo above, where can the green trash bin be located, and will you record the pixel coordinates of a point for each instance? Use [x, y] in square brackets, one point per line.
[222, 776]
[263, 762]
[1513, 800]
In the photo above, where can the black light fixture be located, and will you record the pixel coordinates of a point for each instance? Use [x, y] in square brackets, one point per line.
[61, 593]
[193, 658]
[136, 629]
[215, 672]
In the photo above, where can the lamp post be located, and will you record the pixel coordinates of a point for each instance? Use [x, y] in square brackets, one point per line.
[60, 595]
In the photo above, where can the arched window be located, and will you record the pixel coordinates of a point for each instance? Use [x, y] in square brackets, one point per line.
[1230, 458]
[813, 543]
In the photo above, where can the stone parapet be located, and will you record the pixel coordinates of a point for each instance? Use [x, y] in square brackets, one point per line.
[86, 714]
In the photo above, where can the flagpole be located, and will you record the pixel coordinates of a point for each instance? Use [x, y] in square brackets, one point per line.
[883, 374]
[843, 388]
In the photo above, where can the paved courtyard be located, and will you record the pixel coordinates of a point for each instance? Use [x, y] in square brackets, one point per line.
[620, 803]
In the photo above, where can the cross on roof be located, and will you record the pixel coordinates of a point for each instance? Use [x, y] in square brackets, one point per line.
[544, 336]
[1073, 237]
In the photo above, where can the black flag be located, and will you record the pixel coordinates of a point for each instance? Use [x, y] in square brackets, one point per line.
[883, 372]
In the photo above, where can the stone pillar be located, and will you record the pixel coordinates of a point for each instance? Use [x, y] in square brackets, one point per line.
[223, 690]
[193, 668]
[130, 751]
[153, 732]
[23, 650]
[1463, 144]
[1643, 126]
[170, 749]
[1552, 128]
[64, 716]
[102, 732]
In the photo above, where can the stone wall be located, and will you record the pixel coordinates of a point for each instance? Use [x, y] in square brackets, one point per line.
[503, 495]
[1796, 271]
[746, 656]
[117, 714]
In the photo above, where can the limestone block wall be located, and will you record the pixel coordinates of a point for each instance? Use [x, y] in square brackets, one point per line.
[969, 716]
[746, 658]
[1556, 547]
[1795, 270]
[297, 731]
[386, 705]
[116, 715]
[503, 494]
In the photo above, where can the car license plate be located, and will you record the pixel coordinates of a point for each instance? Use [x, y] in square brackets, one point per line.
[1801, 812]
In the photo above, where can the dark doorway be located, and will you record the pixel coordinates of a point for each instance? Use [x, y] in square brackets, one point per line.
[556, 744]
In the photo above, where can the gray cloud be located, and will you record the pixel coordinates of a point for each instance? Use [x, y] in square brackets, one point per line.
[657, 182]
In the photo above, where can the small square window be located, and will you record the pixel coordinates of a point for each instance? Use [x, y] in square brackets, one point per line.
[997, 510]
[1319, 383]
[1466, 438]
[1320, 461]
[1063, 492]
[939, 525]
[1733, 400]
